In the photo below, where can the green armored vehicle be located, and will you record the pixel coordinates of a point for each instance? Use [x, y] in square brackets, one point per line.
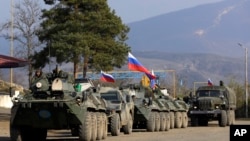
[54, 103]
[213, 103]
[177, 108]
[120, 110]
[155, 111]
[150, 113]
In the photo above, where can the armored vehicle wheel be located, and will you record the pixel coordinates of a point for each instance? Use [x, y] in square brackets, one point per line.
[129, 126]
[94, 126]
[167, 115]
[162, 121]
[115, 125]
[178, 120]
[184, 120]
[223, 118]
[157, 121]
[151, 123]
[100, 127]
[85, 129]
[172, 120]
[105, 126]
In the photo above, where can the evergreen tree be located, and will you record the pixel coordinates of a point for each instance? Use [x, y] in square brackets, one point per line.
[76, 30]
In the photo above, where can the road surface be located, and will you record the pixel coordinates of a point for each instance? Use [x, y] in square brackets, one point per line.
[212, 132]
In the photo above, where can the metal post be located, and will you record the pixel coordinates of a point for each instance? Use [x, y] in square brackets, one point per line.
[174, 75]
[246, 80]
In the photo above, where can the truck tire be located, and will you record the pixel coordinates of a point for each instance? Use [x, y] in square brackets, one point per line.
[129, 126]
[223, 118]
[85, 129]
[172, 119]
[115, 125]
[233, 117]
[229, 117]
[178, 120]
[162, 121]
[151, 123]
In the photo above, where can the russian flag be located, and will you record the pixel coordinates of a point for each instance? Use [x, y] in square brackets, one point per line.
[135, 65]
[106, 77]
[209, 82]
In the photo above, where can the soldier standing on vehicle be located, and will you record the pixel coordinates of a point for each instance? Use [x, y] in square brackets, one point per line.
[37, 76]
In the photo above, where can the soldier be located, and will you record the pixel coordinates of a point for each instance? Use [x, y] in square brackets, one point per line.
[37, 76]
[61, 74]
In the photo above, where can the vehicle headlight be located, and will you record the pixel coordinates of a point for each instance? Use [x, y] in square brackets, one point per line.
[217, 107]
[38, 84]
[195, 107]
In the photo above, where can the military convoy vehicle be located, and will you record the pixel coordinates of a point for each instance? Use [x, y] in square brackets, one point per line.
[120, 110]
[155, 111]
[216, 102]
[54, 103]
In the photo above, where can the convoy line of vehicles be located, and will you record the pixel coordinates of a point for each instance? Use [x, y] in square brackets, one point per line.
[55, 102]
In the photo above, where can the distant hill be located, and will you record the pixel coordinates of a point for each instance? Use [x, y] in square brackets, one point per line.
[211, 28]
[192, 67]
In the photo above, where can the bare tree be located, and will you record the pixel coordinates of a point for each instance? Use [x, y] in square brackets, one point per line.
[26, 20]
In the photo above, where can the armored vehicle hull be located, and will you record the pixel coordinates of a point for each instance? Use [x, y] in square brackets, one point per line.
[56, 105]
[156, 112]
[120, 110]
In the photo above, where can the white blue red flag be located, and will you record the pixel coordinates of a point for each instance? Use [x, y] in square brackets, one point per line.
[209, 82]
[135, 65]
[106, 77]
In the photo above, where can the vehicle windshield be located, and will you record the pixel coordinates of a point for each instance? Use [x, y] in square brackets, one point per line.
[208, 93]
[110, 96]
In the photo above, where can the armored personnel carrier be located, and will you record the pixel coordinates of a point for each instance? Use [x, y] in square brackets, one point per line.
[177, 108]
[216, 102]
[120, 110]
[55, 103]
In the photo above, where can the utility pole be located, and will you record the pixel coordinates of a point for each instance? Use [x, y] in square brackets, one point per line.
[11, 39]
[246, 80]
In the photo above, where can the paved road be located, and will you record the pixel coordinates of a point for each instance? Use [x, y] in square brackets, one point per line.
[212, 132]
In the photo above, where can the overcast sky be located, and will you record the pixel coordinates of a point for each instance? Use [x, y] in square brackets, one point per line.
[128, 10]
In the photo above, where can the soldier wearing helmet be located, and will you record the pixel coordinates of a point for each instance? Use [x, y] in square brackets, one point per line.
[37, 76]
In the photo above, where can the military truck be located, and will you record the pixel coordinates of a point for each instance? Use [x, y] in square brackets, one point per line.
[54, 103]
[120, 110]
[216, 102]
